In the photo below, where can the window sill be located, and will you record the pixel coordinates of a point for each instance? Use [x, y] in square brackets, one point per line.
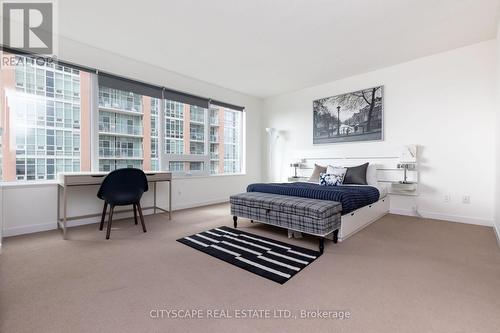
[186, 176]
[27, 184]
[34, 183]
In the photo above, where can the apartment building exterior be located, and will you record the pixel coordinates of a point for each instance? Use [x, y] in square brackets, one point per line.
[128, 130]
[193, 130]
[47, 127]
[45, 119]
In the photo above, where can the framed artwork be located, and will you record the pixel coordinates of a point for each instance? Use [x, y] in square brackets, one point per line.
[354, 116]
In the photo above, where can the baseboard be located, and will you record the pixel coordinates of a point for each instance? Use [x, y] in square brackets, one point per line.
[32, 228]
[28, 229]
[116, 215]
[405, 212]
[497, 234]
[201, 204]
[444, 217]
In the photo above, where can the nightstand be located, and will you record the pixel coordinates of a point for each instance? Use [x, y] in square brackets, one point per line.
[298, 179]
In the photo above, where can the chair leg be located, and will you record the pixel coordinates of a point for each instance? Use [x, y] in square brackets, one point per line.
[139, 208]
[108, 231]
[103, 217]
[135, 214]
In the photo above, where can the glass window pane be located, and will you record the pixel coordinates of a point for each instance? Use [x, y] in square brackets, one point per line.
[46, 122]
[225, 140]
[185, 130]
[121, 129]
[155, 108]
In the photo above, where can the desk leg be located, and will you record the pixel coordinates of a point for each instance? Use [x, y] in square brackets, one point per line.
[58, 206]
[169, 199]
[64, 226]
[154, 198]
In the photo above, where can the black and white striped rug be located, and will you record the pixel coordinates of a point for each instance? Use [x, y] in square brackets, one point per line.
[266, 257]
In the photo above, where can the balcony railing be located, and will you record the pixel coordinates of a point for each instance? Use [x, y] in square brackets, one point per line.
[120, 128]
[197, 119]
[196, 151]
[174, 134]
[196, 136]
[109, 103]
[120, 152]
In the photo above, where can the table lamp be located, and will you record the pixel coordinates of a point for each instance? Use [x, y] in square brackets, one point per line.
[295, 165]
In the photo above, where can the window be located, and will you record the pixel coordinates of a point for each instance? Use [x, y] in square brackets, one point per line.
[53, 122]
[46, 122]
[174, 127]
[122, 132]
[203, 140]
[225, 140]
[155, 134]
[120, 129]
[186, 137]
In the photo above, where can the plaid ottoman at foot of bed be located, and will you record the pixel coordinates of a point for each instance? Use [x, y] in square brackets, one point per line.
[311, 216]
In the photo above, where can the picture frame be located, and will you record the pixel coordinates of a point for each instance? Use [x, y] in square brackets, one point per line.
[356, 116]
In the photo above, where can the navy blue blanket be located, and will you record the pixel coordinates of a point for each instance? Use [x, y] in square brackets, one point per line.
[351, 197]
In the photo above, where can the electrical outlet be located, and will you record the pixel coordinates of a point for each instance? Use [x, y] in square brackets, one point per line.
[447, 198]
[466, 199]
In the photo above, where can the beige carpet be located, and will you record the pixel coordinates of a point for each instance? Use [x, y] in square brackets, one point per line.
[400, 274]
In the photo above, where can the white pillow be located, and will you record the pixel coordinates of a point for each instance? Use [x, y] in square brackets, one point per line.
[371, 174]
[335, 170]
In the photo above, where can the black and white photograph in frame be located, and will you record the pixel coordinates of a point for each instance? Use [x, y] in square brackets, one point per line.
[355, 116]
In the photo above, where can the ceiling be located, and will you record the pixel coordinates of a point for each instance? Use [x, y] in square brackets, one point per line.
[268, 47]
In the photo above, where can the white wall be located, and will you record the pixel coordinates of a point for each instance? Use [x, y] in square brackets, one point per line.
[189, 192]
[444, 103]
[497, 139]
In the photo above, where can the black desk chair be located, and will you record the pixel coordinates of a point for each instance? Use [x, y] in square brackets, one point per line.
[122, 187]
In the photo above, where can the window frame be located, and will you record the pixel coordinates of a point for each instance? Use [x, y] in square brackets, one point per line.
[166, 158]
[61, 82]
[33, 113]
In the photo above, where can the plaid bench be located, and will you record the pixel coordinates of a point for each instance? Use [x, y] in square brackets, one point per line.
[311, 216]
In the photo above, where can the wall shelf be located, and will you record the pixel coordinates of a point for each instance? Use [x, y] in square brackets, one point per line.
[395, 169]
[392, 179]
[404, 193]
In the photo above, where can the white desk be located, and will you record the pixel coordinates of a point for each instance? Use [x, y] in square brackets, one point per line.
[71, 179]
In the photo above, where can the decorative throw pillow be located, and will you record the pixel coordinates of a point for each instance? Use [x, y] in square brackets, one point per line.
[332, 169]
[356, 175]
[329, 179]
[318, 169]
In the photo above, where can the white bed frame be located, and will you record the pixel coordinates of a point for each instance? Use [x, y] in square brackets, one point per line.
[362, 217]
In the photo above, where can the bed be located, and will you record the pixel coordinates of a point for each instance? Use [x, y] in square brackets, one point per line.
[361, 204]
[351, 197]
